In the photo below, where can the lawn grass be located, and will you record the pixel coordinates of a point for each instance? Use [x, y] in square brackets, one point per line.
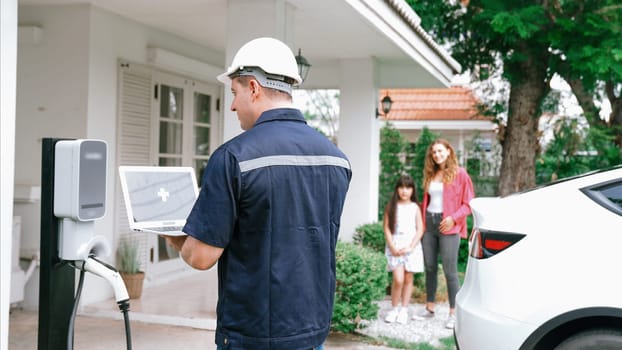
[445, 343]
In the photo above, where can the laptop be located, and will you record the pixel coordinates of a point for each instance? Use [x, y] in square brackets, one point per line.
[158, 199]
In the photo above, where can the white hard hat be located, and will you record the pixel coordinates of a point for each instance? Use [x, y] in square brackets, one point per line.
[272, 56]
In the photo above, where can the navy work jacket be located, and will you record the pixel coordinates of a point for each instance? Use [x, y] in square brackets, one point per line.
[272, 197]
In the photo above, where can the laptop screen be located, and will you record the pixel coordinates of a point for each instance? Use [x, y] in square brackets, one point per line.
[160, 194]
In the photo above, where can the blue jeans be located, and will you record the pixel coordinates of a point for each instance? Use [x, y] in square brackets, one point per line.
[320, 347]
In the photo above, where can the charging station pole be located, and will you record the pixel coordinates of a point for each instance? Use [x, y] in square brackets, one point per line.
[56, 279]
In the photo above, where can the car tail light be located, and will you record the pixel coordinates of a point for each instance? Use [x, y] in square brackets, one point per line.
[485, 244]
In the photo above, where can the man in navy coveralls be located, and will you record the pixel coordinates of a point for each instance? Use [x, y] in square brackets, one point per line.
[269, 212]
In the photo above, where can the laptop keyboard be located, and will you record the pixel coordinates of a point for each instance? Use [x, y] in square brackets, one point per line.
[166, 228]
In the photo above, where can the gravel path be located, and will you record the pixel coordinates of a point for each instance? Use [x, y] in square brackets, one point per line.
[414, 331]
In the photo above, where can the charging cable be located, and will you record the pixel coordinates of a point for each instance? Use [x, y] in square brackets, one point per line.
[110, 274]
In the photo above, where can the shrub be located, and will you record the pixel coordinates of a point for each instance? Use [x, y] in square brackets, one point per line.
[361, 280]
[371, 236]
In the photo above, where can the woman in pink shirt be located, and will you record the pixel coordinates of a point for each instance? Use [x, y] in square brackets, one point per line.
[447, 192]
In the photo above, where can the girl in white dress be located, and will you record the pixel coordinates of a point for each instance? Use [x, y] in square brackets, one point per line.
[403, 229]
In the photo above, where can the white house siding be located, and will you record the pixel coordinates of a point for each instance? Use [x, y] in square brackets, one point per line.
[51, 102]
[67, 87]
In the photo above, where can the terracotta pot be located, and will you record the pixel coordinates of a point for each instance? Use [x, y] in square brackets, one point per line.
[133, 283]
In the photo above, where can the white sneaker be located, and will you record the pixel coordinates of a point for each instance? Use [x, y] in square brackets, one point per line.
[451, 322]
[402, 318]
[392, 316]
[424, 314]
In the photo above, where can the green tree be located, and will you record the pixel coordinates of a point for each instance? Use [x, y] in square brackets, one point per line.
[416, 170]
[590, 58]
[392, 152]
[573, 150]
[533, 40]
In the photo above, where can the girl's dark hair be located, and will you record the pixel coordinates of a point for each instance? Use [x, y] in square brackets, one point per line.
[391, 208]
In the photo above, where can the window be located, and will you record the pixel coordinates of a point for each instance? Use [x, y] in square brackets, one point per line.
[187, 125]
[609, 195]
[171, 126]
[614, 195]
[185, 134]
[202, 127]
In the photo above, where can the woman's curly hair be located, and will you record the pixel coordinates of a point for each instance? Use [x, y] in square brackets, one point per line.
[431, 168]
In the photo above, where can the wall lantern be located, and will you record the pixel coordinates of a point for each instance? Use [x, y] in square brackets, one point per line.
[386, 103]
[303, 66]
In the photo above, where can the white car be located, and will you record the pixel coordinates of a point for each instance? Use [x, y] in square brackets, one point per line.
[545, 268]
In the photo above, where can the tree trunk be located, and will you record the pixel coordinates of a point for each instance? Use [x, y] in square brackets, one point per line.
[586, 101]
[520, 141]
[591, 112]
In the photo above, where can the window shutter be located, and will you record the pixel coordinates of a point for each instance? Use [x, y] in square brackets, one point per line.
[134, 134]
[134, 138]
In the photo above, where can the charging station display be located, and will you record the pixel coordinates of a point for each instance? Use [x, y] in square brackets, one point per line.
[80, 179]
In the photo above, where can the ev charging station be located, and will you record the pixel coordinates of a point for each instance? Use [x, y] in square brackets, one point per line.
[73, 196]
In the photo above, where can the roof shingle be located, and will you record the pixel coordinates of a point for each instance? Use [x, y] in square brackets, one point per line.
[455, 103]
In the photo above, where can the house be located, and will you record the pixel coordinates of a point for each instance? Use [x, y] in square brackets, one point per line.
[140, 75]
[452, 113]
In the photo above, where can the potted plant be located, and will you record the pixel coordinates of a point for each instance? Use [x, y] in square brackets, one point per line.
[129, 268]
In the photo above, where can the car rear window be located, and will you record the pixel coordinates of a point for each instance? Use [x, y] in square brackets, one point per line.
[609, 195]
